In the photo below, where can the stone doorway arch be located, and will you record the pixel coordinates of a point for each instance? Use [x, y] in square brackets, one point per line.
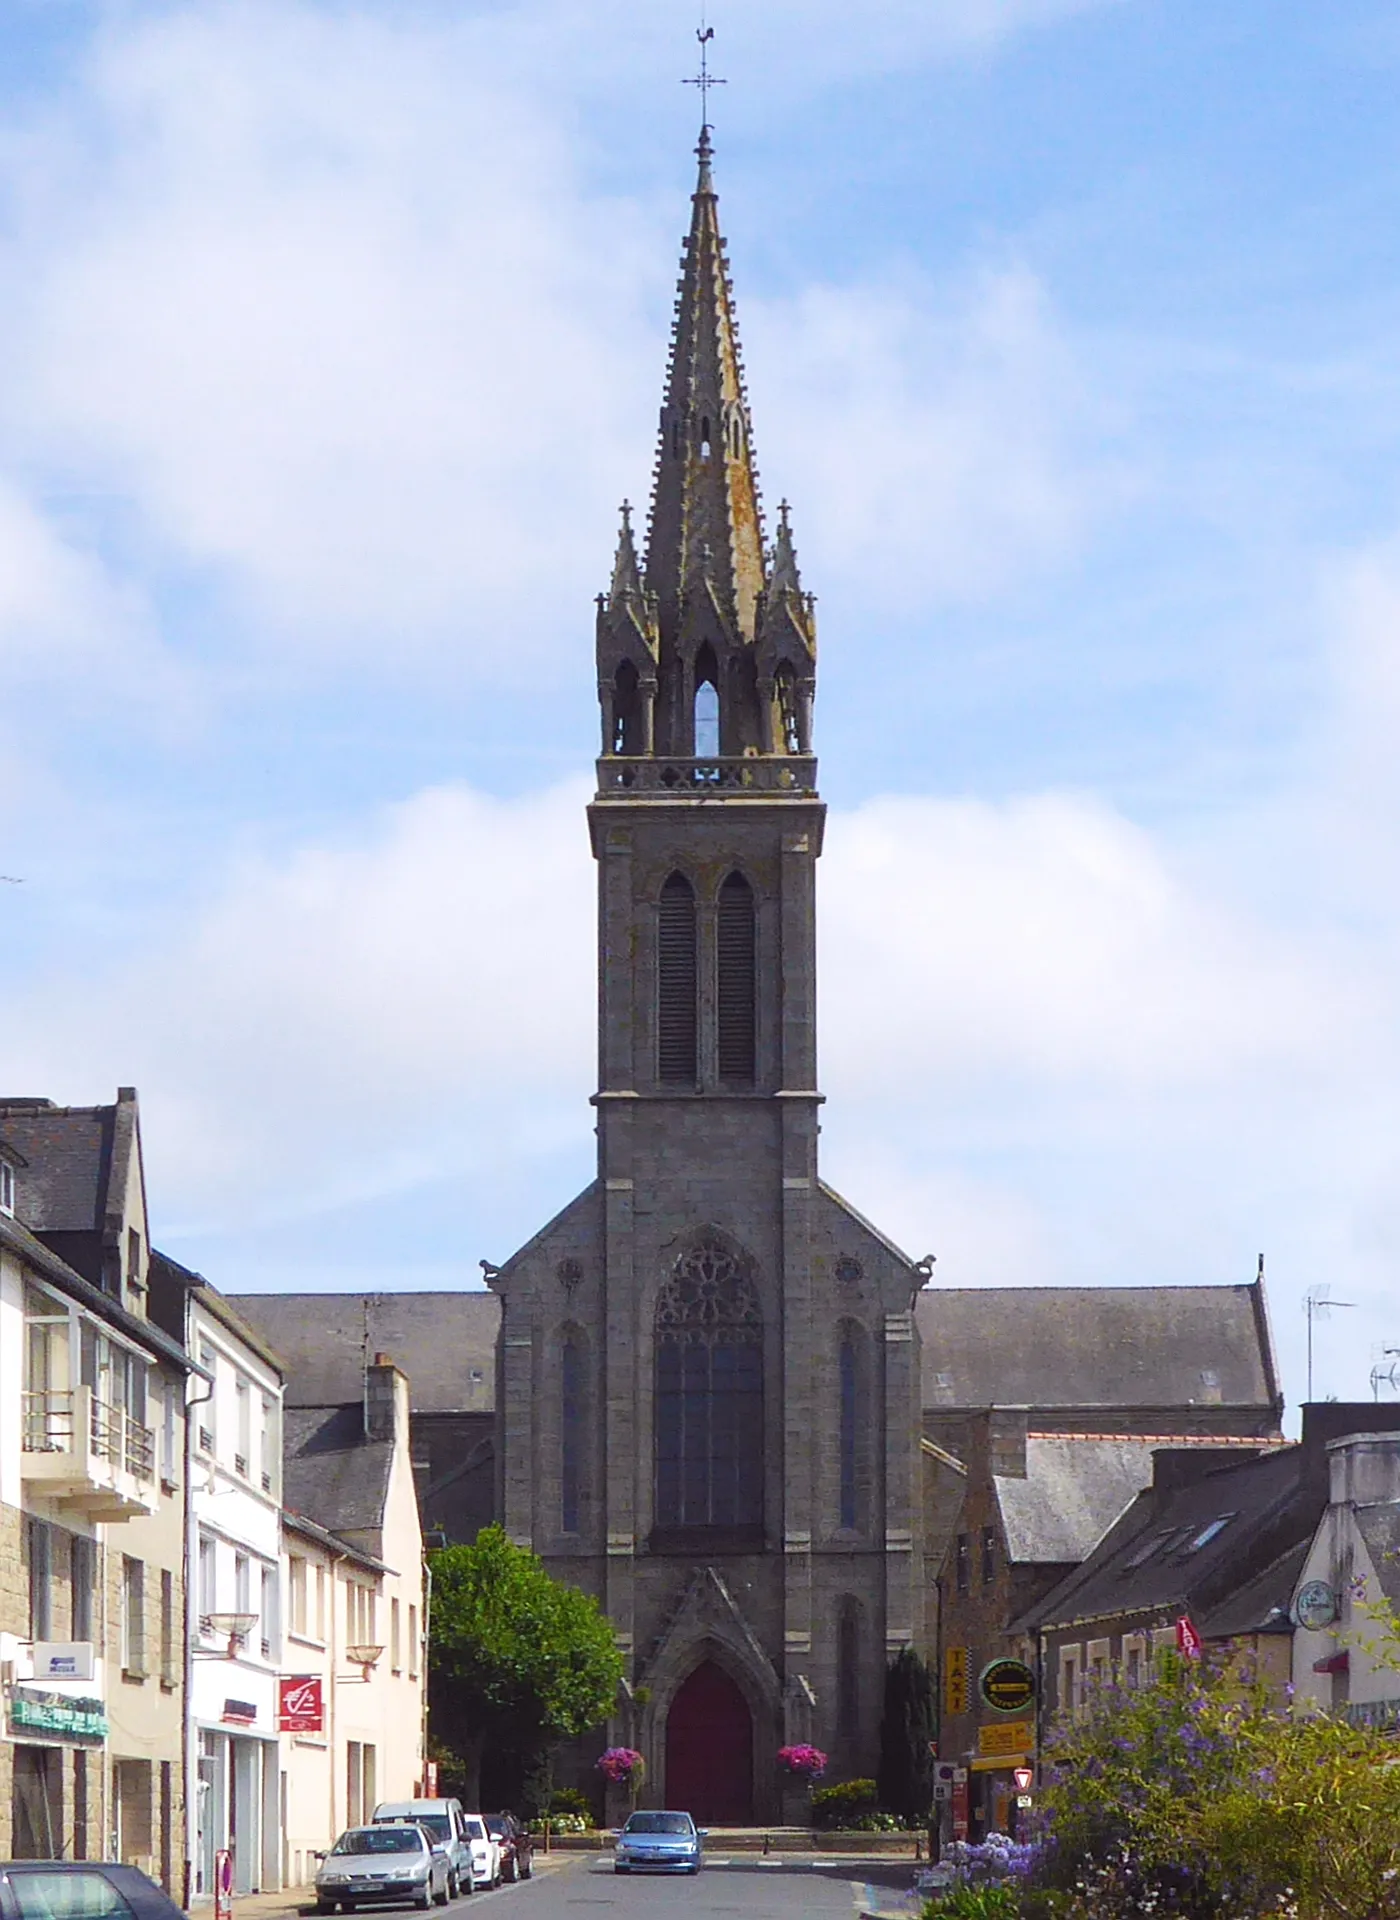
[709, 1749]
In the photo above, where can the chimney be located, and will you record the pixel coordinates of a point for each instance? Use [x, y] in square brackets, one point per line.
[1365, 1469]
[1176, 1467]
[1006, 1439]
[386, 1400]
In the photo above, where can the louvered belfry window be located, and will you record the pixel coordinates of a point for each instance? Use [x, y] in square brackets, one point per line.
[736, 980]
[676, 984]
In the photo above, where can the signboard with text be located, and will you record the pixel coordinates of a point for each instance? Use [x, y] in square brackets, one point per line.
[1011, 1738]
[299, 1704]
[957, 1679]
[1188, 1641]
[1007, 1685]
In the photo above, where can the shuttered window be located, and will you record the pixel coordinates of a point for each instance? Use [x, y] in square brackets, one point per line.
[676, 984]
[736, 980]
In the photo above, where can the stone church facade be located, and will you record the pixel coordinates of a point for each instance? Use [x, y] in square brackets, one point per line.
[708, 1392]
[708, 1367]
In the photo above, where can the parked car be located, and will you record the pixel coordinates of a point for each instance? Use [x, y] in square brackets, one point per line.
[80, 1890]
[445, 1821]
[517, 1848]
[486, 1853]
[388, 1860]
[667, 1840]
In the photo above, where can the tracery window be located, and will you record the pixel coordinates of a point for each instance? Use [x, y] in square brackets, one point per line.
[709, 1392]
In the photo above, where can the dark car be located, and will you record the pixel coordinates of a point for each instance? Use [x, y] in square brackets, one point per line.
[80, 1890]
[517, 1848]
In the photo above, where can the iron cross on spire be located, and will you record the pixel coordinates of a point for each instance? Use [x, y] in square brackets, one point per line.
[704, 79]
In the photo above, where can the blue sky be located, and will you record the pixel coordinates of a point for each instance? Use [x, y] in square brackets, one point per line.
[334, 335]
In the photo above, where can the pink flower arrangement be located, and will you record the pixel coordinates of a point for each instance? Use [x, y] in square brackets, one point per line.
[808, 1761]
[620, 1764]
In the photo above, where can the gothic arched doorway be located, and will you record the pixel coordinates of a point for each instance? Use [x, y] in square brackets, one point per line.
[709, 1750]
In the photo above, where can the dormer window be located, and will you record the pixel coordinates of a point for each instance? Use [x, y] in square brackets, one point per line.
[7, 1188]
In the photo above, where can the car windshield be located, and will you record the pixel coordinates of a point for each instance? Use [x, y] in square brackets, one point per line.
[498, 1823]
[659, 1823]
[437, 1824]
[379, 1840]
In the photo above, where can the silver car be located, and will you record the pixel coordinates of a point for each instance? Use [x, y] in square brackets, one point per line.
[389, 1861]
[666, 1840]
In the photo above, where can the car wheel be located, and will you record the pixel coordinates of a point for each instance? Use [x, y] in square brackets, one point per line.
[425, 1899]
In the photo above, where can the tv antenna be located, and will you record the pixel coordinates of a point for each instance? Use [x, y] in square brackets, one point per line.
[704, 79]
[1317, 1304]
[1382, 1376]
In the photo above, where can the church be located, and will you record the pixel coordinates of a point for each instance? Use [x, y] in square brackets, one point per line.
[708, 1391]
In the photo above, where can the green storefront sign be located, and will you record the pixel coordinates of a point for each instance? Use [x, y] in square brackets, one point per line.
[54, 1714]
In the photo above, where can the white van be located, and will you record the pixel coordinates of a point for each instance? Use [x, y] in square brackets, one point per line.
[446, 1826]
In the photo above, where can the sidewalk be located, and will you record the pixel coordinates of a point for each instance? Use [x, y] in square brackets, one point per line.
[301, 1900]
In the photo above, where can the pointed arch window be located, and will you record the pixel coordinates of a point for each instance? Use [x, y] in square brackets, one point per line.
[571, 1429]
[706, 704]
[736, 952]
[788, 718]
[848, 1665]
[705, 438]
[853, 1423]
[626, 711]
[677, 983]
[709, 1394]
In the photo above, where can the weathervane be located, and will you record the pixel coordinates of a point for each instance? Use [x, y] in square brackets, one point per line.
[704, 79]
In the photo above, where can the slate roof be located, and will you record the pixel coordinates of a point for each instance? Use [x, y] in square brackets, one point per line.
[69, 1152]
[330, 1473]
[444, 1342]
[1086, 1347]
[17, 1239]
[1073, 1491]
[1261, 1604]
[1149, 1560]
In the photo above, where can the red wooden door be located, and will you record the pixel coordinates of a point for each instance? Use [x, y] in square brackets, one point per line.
[709, 1750]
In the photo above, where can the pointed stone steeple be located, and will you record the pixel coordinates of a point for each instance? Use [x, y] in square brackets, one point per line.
[706, 540]
[700, 627]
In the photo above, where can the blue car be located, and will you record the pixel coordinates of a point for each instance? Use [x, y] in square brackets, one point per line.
[669, 1841]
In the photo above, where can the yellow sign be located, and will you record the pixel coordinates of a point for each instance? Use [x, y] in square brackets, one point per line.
[957, 1679]
[1012, 1736]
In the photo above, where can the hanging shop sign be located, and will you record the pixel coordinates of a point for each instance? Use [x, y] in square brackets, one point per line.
[63, 1659]
[1008, 1740]
[70, 1718]
[957, 1679]
[1314, 1605]
[1007, 1685]
[299, 1705]
[1188, 1641]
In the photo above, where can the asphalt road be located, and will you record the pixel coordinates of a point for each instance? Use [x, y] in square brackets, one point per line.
[586, 1888]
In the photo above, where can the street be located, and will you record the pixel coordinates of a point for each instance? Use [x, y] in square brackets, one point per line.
[748, 1888]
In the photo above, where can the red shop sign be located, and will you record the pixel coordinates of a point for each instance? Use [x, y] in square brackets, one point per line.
[299, 1704]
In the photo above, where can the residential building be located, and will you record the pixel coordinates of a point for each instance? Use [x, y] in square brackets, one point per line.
[1216, 1541]
[354, 1672]
[92, 1447]
[1348, 1588]
[234, 1616]
[1034, 1506]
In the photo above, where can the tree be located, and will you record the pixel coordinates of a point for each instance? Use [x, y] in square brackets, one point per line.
[515, 1657]
[906, 1727]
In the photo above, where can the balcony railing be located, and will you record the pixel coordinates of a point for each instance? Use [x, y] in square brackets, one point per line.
[89, 1453]
[667, 778]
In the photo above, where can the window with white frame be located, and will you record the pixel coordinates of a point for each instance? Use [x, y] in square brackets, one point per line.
[133, 1622]
[296, 1593]
[395, 1662]
[1071, 1692]
[243, 1404]
[269, 1645]
[208, 1577]
[412, 1641]
[1134, 1660]
[7, 1187]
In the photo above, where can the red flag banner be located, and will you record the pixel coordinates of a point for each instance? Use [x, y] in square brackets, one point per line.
[1188, 1641]
[299, 1704]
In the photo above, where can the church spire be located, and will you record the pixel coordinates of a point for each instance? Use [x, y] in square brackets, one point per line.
[706, 542]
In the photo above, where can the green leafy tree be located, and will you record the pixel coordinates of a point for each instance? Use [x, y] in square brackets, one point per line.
[906, 1727]
[516, 1658]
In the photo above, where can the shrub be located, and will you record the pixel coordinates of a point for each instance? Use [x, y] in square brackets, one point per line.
[564, 1823]
[843, 1804]
[987, 1902]
[571, 1800]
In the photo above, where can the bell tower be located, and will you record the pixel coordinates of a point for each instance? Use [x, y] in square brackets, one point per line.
[707, 1372]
